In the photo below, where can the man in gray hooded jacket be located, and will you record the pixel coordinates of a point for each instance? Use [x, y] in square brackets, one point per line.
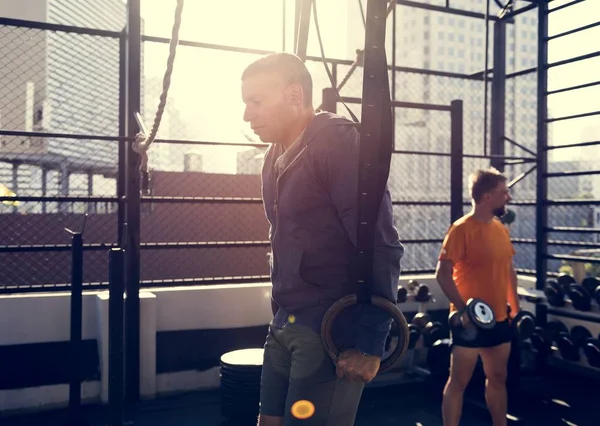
[310, 194]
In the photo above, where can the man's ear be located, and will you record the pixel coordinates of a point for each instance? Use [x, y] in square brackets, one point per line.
[296, 94]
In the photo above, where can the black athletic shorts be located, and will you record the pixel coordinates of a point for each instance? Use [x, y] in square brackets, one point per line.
[501, 333]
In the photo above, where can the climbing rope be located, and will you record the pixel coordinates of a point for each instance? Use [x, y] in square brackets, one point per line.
[142, 141]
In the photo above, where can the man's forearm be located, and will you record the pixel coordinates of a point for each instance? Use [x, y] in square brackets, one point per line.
[513, 293]
[449, 288]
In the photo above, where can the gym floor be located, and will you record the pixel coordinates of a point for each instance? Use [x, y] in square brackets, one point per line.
[554, 400]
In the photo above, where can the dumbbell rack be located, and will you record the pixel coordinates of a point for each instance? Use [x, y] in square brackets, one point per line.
[561, 339]
[424, 331]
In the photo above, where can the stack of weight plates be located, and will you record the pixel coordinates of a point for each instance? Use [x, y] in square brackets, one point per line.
[240, 386]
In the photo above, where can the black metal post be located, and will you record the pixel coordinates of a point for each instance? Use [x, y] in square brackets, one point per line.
[302, 27]
[132, 270]
[394, 59]
[541, 209]
[498, 108]
[76, 326]
[122, 145]
[329, 100]
[116, 342]
[456, 160]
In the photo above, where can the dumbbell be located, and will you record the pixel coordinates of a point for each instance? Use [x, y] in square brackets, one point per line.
[480, 315]
[438, 358]
[541, 340]
[579, 335]
[554, 292]
[581, 294]
[413, 336]
[422, 294]
[554, 328]
[591, 350]
[402, 294]
[420, 291]
[523, 325]
[567, 347]
[565, 280]
[431, 330]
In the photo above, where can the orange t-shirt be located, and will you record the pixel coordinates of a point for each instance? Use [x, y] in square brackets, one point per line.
[482, 256]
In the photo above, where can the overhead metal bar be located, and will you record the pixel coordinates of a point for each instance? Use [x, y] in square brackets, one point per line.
[570, 174]
[399, 104]
[572, 117]
[571, 88]
[587, 259]
[506, 138]
[573, 145]
[564, 6]
[574, 59]
[571, 202]
[573, 229]
[521, 73]
[35, 25]
[521, 176]
[511, 15]
[589, 244]
[445, 9]
[573, 31]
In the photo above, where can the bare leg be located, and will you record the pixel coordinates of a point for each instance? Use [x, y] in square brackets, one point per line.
[462, 364]
[495, 364]
[270, 421]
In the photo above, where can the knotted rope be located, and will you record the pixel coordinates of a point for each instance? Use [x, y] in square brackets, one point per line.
[142, 141]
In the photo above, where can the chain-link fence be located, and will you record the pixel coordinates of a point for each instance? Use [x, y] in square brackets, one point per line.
[59, 106]
[204, 220]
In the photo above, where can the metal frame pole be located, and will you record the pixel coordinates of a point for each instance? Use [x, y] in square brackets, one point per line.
[132, 302]
[456, 160]
[541, 213]
[498, 107]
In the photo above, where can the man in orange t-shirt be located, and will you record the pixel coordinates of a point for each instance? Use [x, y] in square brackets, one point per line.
[476, 261]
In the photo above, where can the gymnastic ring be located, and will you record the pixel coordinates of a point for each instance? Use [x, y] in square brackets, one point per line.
[351, 299]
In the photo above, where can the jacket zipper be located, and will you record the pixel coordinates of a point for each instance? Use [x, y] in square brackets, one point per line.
[276, 204]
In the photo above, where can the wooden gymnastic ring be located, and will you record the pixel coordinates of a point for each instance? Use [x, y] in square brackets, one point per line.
[397, 315]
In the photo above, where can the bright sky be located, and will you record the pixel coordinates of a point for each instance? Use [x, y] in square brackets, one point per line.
[206, 85]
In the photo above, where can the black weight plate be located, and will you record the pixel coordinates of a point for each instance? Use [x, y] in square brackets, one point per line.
[567, 348]
[554, 293]
[402, 294]
[438, 357]
[554, 328]
[524, 324]
[592, 352]
[565, 280]
[413, 336]
[590, 284]
[580, 334]
[579, 297]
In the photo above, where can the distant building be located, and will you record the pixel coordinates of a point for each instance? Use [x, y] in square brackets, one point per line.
[249, 162]
[64, 83]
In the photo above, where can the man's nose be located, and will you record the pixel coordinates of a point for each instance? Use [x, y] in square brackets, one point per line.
[247, 115]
